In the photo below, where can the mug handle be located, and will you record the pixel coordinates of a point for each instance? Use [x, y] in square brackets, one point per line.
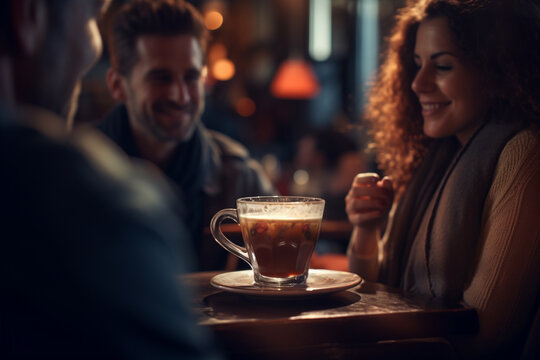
[221, 239]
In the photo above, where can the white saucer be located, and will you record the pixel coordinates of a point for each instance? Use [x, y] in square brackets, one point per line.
[320, 281]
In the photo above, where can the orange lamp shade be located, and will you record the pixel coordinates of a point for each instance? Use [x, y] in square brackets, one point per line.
[295, 79]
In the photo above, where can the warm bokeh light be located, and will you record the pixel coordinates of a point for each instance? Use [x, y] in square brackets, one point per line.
[213, 20]
[301, 177]
[245, 107]
[295, 79]
[223, 69]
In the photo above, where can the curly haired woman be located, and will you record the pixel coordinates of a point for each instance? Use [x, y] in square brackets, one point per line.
[454, 117]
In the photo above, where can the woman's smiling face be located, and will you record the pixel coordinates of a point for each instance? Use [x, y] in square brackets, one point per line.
[447, 87]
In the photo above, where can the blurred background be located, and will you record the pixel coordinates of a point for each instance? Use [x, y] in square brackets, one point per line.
[287, 78]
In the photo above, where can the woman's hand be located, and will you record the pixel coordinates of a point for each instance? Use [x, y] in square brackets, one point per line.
[367, 203]
[369, 200]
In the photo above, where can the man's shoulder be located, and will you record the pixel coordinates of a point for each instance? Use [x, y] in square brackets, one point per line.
[75, 167]
[237, 166]
[32, 136]
[227, 146]
[235, 159]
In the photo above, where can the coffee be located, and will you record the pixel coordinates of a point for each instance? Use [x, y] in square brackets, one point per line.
[281, 247]
[280, 233]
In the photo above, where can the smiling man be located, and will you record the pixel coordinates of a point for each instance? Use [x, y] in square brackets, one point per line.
[157, 51]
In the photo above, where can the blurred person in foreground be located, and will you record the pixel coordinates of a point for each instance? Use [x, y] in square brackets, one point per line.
[157, 52]
[454, 117]
[88, 261]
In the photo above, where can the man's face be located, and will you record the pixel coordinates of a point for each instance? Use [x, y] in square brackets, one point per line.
[165, 89]
[71, 48]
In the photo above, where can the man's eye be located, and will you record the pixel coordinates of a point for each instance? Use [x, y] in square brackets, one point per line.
[160, 79]
[192, 77]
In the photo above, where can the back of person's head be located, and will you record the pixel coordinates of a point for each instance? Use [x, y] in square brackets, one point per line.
[50, 44]
[56, 13]
[149, 17]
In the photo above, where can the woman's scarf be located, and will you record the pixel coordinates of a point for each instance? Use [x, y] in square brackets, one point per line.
[411, 208]
[433, 240]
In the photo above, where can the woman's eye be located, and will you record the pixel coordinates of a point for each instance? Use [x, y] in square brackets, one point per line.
[444, 67]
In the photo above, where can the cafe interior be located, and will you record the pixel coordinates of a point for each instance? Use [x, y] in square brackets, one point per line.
[279, 71]
[288, 79]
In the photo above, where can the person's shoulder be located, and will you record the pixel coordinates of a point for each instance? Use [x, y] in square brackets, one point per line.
[237, 164]
[227, 146]
[35, 138]
[518, 162]
[524, 145]
[76, 167]
[525, 139]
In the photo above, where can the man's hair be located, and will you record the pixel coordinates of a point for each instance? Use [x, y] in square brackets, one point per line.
[149, 17]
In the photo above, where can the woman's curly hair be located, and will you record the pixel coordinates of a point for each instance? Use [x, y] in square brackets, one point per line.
[500, 39]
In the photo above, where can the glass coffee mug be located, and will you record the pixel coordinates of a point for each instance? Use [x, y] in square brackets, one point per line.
[280, 234]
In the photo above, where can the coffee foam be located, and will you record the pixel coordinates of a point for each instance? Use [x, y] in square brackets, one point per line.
[280, 216]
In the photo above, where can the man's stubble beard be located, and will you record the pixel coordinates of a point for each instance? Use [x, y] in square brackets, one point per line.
[149, 123]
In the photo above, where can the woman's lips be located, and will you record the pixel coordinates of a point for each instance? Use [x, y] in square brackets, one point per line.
[432, 108]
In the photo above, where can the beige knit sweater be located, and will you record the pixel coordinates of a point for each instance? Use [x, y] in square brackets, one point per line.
[506, 281]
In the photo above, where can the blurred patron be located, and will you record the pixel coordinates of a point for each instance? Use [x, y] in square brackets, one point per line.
[90, 249]
[157, 51]
[455, 118]
[325, 164]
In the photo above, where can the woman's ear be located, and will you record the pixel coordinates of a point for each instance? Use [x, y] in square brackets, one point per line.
[116, 85]
[30, 24]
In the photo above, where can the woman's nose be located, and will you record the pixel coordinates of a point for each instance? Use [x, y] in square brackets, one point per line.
[423, 81]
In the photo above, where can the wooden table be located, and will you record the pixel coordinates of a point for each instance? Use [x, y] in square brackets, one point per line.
[367, 320]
